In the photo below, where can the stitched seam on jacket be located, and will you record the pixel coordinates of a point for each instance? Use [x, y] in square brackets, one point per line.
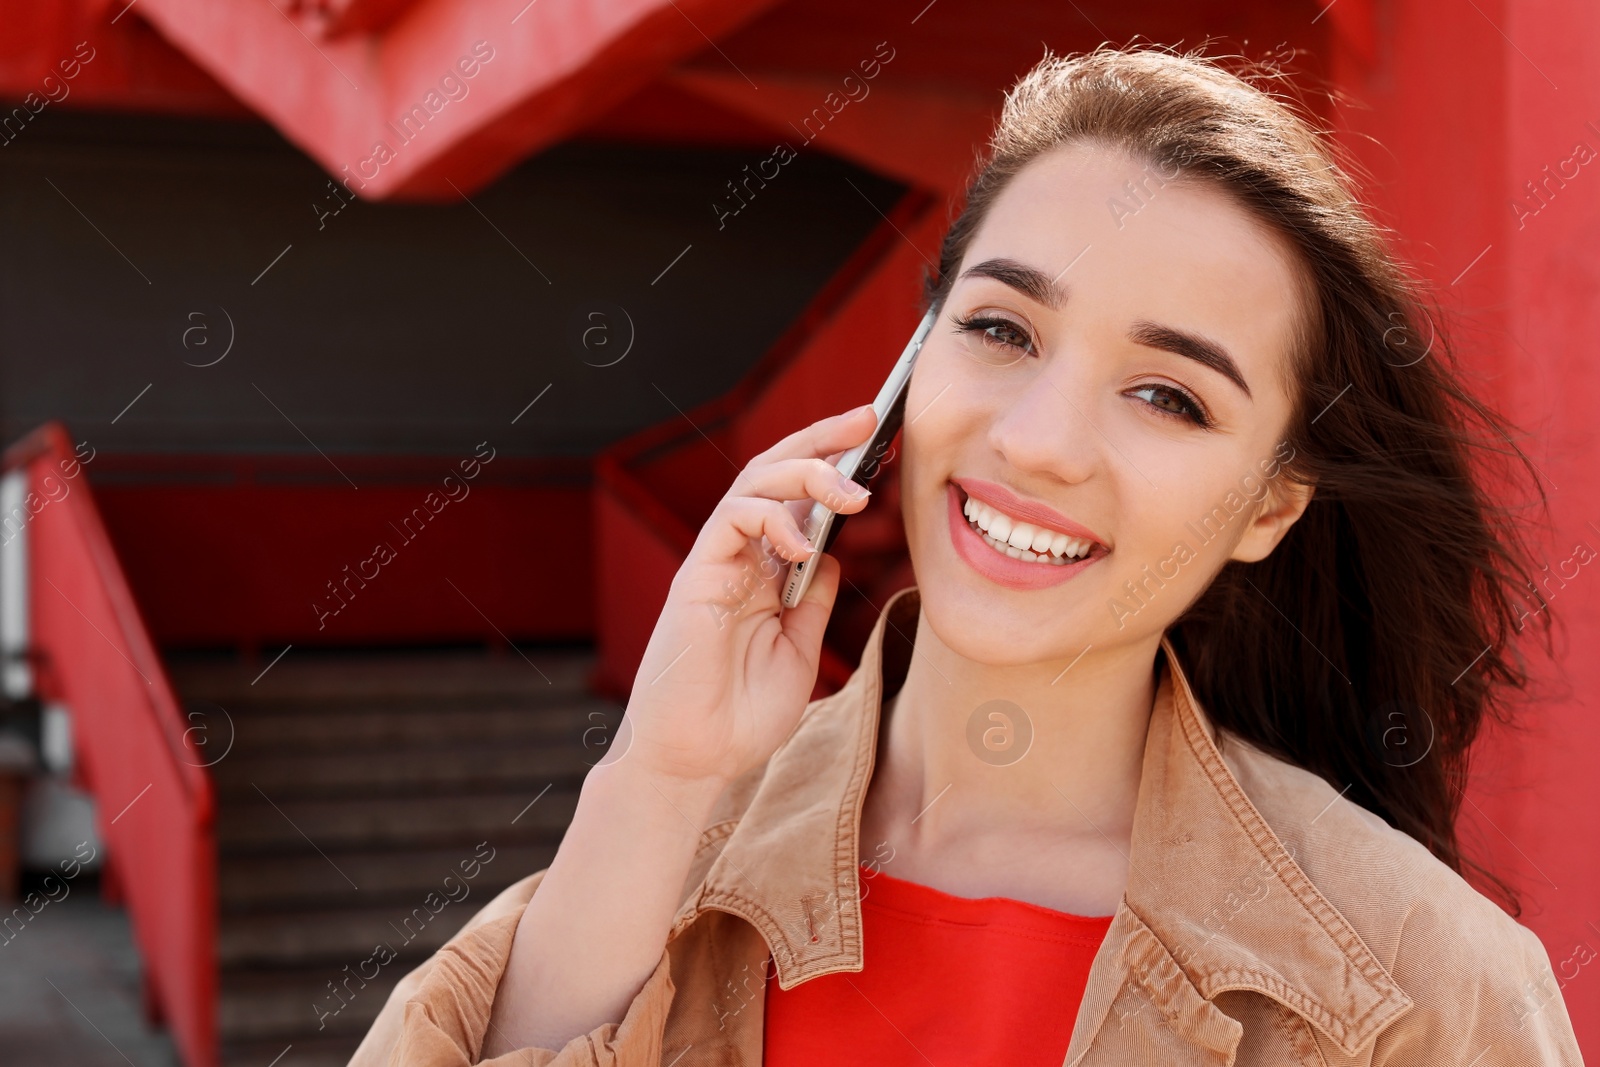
[1298, 1033]
[845, 873]
[1145, 959]
[1249, 981]
[1300, 889]
[718, 832]
[691, 908]
[758, 917]
[1152, 968]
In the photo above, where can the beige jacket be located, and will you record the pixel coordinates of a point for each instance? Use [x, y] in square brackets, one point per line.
[1266, 920]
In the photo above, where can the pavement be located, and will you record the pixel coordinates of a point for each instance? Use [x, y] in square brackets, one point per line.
[69, 987]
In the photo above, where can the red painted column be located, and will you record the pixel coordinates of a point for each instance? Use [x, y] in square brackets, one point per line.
[1469, 102]
[1549, 376]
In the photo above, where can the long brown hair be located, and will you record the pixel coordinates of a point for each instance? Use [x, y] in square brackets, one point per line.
[1371, 644]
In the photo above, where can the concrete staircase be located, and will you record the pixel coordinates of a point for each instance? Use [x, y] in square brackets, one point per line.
[372, 800]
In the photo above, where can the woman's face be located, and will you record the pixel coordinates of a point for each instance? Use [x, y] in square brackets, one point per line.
[1111, 366]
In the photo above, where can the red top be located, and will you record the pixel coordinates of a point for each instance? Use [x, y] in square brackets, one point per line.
[947, 980]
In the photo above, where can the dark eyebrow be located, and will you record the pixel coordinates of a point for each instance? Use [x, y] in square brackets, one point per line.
[1031, 282]
[1206, 353]
[1041, 288]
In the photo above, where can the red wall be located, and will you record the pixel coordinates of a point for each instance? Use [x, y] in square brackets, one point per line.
[1469, 103]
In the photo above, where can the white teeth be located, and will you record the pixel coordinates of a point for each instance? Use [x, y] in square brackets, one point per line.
[999, 525]
[1024, 540]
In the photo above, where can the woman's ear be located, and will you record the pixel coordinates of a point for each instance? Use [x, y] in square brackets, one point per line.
[1283, 503]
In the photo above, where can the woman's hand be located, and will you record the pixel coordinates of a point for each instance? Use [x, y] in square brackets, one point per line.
[728, 670]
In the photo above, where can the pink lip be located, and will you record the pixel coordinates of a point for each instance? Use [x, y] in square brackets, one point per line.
[1001, 569]
[998, 496]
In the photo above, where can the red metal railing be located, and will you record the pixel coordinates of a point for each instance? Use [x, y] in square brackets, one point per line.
[90, 651]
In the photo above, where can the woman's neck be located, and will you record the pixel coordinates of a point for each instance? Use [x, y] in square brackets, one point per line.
[964, 799]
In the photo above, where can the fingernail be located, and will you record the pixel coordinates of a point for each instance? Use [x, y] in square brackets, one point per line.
[852, 489]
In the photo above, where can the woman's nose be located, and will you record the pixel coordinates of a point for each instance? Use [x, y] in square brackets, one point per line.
[1043, 428]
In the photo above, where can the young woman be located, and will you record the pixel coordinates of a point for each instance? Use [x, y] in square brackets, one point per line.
[1160, 760]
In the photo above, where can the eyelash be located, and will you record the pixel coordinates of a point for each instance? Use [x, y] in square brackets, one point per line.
[1195, 411]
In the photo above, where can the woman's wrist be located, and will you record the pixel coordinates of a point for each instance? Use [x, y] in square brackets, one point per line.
[608, 899]
[656, 798]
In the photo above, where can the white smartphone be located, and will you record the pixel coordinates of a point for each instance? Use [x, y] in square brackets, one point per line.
[860, 464]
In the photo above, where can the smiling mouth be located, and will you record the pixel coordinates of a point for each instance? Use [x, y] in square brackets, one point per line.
[1027, 542]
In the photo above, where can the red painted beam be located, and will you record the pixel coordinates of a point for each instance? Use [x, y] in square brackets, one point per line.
[357, 16]
[70, 55]
[450, 95]
[922, 136]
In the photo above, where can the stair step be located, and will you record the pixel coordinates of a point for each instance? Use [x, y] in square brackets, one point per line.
[263, 726]
[338, 936]
[281, 882]
[289, 1004]
[247, 777]
[315, 1050]
[304, 673]
[388, 822]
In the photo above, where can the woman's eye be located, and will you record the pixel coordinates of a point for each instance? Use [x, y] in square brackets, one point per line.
[995, 338]
[1170, 400]
[999, 340]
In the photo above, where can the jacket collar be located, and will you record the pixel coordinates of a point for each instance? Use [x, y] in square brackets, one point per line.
[1208, 876]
